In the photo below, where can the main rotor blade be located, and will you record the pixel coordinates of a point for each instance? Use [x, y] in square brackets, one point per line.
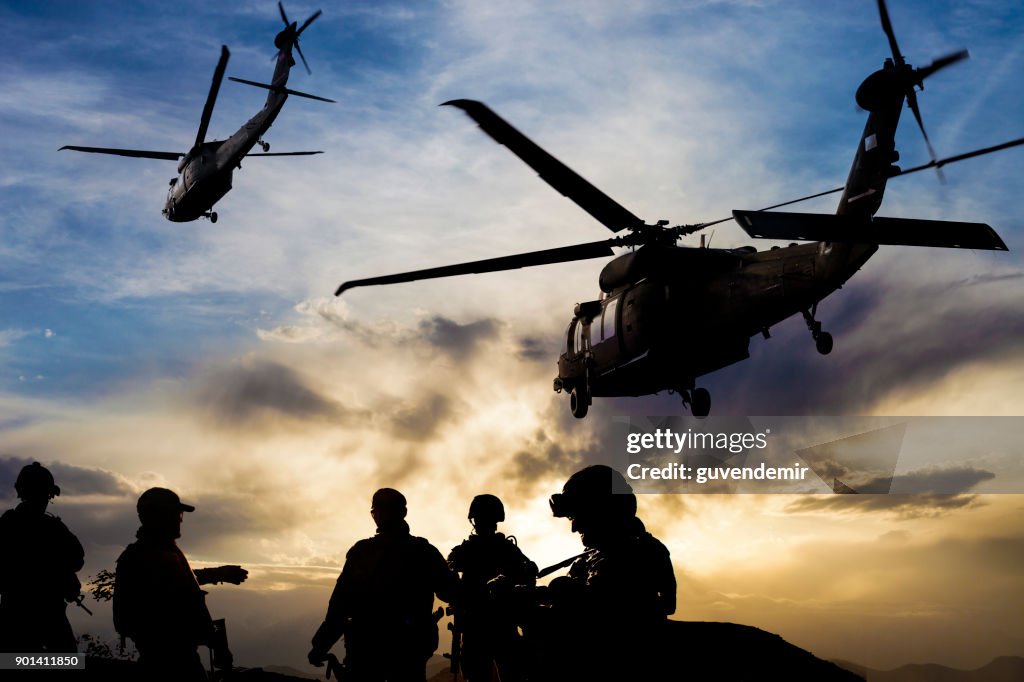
[562, 254]
[960, 157]
[941, 63]
[211, 99]
[307, 22]
[282, 154]
[897, 56]
[136, 153]
[284, 17]
[606, 210]
[935, 163]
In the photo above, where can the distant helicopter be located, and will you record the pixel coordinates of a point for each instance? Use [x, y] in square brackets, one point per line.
[204, 172]
[669, 314]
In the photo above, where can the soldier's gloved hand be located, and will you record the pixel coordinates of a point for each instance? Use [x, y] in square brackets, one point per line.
[235, 575]
[500, 587]
[317, 657]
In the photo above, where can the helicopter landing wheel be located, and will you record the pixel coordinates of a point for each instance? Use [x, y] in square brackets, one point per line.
[823, 342]
[700, 402]
[579, 403]
[213, 216]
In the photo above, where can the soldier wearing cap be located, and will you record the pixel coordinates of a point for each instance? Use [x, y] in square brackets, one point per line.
[157, 598]
[607, 616]
[39, 558]
[384, 598]
[489, 635]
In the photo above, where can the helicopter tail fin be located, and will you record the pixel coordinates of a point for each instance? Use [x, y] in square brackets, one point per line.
[878, 230]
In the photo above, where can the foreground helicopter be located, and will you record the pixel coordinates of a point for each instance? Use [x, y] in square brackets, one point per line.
[204, 172]
[669, 314]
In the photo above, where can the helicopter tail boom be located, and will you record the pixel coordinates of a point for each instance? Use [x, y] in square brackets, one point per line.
[878, 230]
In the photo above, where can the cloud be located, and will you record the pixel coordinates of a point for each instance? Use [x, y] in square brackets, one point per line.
[930, 491]
[456, 339]
[72, 480]
[243, 392]
[902, 506]
[9, 336]
[421, 419]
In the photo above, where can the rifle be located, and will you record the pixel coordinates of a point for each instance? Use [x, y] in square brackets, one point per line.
[77, 601]
[544, 572]
[220, 654]
[456, 653]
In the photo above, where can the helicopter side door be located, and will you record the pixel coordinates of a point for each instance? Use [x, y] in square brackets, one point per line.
[604, 334]
[577, 351]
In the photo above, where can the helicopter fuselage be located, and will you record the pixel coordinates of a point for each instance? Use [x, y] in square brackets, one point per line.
[204, 174]
[670, 314]
[662, 330]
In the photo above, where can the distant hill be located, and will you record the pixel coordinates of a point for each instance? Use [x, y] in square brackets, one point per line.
[726, 651]
[1002, 669]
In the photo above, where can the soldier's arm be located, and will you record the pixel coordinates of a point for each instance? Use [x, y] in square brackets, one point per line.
[522, 570]
[125, 600]
[74, 553]
[333, 626]
[445, 580]
[235, 575]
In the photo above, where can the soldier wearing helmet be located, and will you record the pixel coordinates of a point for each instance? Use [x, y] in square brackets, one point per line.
[39, 558]
[489, 635]
[157, 598]
[384, 599]
[611, 607]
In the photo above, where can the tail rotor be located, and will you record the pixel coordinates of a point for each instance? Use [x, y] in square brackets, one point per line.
[290, 35]
[911, 77]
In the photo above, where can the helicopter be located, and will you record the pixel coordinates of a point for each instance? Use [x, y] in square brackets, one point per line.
[669, 314]
[204, 172]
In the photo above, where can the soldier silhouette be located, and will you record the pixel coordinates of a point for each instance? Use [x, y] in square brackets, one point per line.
[383, 600]
[606, 618]
[157, 599]
[39, 558]
[489, 636]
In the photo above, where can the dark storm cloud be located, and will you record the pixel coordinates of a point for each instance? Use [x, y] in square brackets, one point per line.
[243, 392]
[955, 339]
[924, 492]
[902, 506]
[244, 507]
[874, 354]
[456, 339]
[420, 420]
[536, 349]
[986, 278]
[71, 480]
[543, 456]
[219, 517]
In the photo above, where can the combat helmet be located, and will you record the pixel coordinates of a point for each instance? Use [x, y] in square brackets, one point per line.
[596, 490]
[35, 479]
[486, 508]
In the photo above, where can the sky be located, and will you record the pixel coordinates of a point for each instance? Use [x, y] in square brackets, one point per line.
[213, 359]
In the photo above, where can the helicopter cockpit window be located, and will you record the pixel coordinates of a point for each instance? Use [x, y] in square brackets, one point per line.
[608, 326]
[577, 344]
